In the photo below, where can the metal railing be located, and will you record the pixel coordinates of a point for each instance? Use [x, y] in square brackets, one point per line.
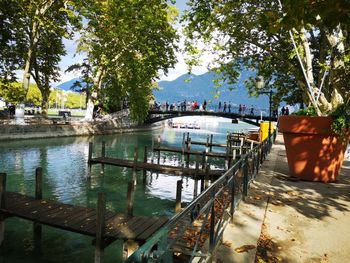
[196, 231]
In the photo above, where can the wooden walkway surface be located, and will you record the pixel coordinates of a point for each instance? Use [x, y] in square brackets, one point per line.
[168, 169]
[80, 219]
[200, 153]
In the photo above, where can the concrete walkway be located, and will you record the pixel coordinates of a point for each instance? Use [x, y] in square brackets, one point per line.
[290, 221]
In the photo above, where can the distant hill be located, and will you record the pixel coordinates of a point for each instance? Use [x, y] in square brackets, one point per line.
[201, 87]
[68, 84]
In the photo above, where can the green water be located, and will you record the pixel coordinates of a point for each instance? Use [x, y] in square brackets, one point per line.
[64, 163]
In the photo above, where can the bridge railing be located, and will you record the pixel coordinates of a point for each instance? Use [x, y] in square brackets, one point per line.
[197, 230]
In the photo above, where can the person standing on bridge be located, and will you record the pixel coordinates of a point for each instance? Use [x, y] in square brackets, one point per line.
[243, 109]
[240, 109]
[219, 106]
[252, 110]
[205, 105]
[229, 106]
[224, 107]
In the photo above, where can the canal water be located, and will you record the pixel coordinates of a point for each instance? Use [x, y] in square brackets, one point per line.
[64, 163]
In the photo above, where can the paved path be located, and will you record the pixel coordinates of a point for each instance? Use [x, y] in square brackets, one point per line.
[290, 221]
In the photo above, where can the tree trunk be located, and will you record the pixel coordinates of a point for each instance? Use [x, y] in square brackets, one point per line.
[45, 102]
[28, 62]
[94, 94]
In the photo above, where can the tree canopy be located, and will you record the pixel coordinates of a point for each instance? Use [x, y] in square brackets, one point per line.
[257, 34]
[127, 43]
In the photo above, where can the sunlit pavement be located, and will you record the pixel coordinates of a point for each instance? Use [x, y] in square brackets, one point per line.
[290, 221]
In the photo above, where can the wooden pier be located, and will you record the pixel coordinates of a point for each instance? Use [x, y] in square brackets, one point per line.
[78, 219]
[104, 226]
[161, 168]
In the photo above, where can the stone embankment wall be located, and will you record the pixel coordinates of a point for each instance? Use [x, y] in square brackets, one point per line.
[41, 128]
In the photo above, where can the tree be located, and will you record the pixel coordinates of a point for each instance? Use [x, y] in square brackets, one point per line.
[34, 96]
[33, 33]
[258, 34]
[127, 44]
[48, 52]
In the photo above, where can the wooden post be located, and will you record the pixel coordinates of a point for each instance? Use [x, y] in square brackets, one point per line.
[183, 150]
[2, 205]
[188, 153]
[158, 161]
[211, 143]
[100, 227]
[37, 228]
[206, 184]
[134, 175]
[152, 157]
[145, 161]
[203, 160]
[89, 158]
[178, 196]
[130, 198]
[103, 154]
[195, 191]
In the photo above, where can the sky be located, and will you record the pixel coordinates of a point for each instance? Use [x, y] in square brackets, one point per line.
[179, 69]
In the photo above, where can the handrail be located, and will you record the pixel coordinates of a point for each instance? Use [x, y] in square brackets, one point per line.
[237, 178]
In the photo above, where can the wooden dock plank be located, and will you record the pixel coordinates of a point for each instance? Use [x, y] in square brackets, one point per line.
[168, 169]
[80, 219]
[144, 235]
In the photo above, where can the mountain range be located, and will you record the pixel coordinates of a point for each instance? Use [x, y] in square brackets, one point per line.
[191, 87]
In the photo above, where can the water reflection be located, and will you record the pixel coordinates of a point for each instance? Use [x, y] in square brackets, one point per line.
[64, 163]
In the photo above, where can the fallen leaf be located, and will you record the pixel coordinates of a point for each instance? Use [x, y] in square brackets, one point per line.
[244, 248]
[227, 244]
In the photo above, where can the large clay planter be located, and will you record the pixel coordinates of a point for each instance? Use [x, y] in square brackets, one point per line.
[314, 153]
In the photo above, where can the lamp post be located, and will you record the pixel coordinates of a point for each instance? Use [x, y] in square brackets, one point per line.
[260, 84]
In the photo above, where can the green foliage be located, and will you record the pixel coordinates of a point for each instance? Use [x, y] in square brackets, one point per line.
[310, 111]
[128, 43]
[256, 34]
[13, 92]
[34, 95]
[341, 122]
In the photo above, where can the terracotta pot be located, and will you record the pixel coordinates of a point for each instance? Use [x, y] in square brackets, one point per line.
[314, 153]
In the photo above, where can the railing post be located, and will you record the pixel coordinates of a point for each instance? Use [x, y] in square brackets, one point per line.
[103, 154]
[130, 198]
[37, 228]
[100, 227]
[178, 196]
[2, 205]
[245, 178]
[212, 224]
[232, 208]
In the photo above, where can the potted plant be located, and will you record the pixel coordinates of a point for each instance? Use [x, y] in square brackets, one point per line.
[315, 145]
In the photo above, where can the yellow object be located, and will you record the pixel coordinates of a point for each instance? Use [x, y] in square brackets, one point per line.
[264, 130]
